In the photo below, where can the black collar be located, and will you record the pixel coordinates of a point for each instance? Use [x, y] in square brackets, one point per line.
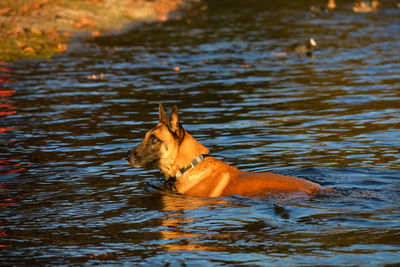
[196, 161]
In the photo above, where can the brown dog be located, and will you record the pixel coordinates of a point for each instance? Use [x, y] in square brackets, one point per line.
[179, 156]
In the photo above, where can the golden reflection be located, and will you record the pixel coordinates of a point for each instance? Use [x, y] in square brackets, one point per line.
[7, 165]
[179, 233]
[6, 108]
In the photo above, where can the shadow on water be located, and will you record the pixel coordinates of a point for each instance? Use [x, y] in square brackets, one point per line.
[69, 197]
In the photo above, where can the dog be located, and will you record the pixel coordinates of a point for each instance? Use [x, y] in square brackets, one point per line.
[186, 162]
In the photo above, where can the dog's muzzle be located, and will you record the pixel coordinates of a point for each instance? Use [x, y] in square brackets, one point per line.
[128, 155]
[133, 159]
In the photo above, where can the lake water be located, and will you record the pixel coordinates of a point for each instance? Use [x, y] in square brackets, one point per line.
[68, 196]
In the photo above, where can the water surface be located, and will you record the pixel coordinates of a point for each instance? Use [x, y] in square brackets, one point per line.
[69, 197]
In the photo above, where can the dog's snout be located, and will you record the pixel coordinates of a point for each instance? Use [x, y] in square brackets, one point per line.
[128, 155]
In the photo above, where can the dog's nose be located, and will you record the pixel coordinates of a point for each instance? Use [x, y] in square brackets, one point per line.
[128, 155]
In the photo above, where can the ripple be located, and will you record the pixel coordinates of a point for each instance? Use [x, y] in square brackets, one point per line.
[67, 192]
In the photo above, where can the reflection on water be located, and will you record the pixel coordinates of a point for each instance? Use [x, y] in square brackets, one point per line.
[68, 197]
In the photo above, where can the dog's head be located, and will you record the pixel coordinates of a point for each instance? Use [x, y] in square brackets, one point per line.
[160, 145]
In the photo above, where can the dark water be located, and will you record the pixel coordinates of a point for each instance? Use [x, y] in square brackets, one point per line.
[68, 197]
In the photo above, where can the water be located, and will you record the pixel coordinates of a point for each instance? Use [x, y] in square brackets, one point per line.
[68, 196]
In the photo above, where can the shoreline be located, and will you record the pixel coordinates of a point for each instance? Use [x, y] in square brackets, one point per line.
[39, 29]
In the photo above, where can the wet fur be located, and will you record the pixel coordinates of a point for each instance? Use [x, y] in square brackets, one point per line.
[169, 147]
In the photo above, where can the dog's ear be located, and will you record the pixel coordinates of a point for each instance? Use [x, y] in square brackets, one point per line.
[174, 124]
[161, 114]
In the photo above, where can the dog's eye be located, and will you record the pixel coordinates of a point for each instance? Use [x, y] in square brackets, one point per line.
[154, 140]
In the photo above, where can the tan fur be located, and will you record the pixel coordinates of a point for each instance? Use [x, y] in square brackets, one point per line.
[211, 177]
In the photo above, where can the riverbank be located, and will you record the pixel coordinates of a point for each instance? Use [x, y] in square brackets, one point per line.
[43, 28]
